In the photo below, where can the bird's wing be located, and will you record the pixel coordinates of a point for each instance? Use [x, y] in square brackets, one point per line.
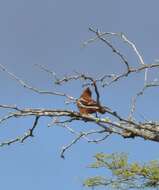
[88, 102]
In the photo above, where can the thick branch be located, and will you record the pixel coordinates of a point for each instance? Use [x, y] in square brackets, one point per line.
[142, 130]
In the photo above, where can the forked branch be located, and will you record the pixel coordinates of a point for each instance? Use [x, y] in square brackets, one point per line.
[111, 123]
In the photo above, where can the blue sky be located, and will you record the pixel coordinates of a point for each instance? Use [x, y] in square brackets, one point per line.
[51, 33]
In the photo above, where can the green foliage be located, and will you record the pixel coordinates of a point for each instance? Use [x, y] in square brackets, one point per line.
[124, 175]
[95, 181]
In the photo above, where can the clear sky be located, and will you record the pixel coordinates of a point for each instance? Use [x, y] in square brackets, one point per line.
[51, 32]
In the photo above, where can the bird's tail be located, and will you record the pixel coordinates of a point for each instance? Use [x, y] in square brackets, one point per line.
[103, 109]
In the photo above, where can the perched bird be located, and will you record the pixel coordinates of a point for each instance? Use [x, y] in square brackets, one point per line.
[87, 105]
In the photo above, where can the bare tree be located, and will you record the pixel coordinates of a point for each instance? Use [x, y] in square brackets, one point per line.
[127, 127]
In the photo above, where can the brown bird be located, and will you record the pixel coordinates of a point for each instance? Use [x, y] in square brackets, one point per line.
[87, 105]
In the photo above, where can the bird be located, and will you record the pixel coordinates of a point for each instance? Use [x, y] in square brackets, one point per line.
[87, 105]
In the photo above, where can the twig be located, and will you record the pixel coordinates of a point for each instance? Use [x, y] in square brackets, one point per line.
[25, 85]
[64, 148]
[21, 139]
[30, 131]
[140, 93]
[100, 36]
[85, 134]
[42, 67]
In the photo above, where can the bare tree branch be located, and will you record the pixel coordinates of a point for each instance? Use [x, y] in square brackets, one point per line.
[98, 33]
[25, 85]
[110, 123]
[22, 138]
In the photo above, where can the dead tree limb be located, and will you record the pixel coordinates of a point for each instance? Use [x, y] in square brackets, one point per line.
[111, 123]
